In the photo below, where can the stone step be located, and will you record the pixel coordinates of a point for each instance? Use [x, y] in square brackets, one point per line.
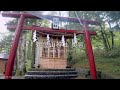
[50, 72]
[38, 73]
[38, 69]
[50, 76]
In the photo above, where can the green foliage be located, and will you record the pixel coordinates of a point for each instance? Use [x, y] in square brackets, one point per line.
[76, 55]
[5, 43]
[18, 73]
[112, 53]
[28, 64]
[108, 65]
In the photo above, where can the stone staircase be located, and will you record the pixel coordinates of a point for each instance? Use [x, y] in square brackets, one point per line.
[68, 73]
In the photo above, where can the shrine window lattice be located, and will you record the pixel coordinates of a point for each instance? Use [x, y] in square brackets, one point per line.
[53, 52]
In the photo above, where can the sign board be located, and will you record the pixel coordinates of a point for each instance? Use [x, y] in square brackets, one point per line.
[55, 24]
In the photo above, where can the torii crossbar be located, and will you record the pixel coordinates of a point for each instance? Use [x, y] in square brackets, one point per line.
[19, 27]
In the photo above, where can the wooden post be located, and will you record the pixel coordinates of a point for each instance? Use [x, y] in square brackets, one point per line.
[58, 52]
[53, 49]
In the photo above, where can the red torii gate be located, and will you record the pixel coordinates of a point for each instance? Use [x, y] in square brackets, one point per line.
[19, 27]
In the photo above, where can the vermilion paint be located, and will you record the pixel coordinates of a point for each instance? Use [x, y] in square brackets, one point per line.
[89, 52]
[11, 59]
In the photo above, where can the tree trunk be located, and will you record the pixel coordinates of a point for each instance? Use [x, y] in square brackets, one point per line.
[21, 68]
[104, 40]
[108, 44]
[23, 48]
[70, 53]
[112, 36]
[18, 58]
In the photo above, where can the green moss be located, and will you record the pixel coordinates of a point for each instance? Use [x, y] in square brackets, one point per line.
[28, 64]
[18, 73]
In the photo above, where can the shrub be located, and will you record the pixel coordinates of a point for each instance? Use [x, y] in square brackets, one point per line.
[98, 52]
[76, 55]
[112, 53]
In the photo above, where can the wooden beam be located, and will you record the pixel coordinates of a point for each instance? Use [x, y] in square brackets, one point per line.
[17, 15]
[49, 30]
[49, 17]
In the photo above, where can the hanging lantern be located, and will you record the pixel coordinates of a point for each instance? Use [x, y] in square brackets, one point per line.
[75, 40]
[63, 41]
[48, 39]
[34, 36]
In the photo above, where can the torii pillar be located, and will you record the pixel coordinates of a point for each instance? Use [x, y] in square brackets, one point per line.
[13, 50]
[89, 51]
